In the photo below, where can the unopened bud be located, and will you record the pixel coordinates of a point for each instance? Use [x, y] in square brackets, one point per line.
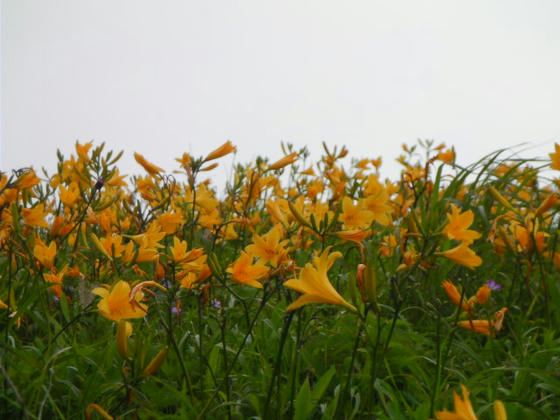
[156, 362]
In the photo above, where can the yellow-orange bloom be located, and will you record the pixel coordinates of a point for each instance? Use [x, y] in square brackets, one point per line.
[483, 293]
[356, 235]
[457, 226]
[27, 180]
[68, 196]
[269, 247]
[179, 252]
[447, 156]
[169, 221]
[115, 304]
[285, 161]
[45, 254]
[355, 216]
[35, 216]
[483, 326]
[56, 280]
[455, 296]
[243, 270]
[315, 285]
[83, 149]
[463, 255]
[149, 167]
[555, 157]
[547, 204]
[463, 408]
[223, 150]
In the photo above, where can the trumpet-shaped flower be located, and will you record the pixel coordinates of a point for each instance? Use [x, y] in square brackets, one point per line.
[463, 408]
[223, 150]
[148, 166]
[455, 296]
[355, 235]
[35, 216]
[484, 326]
[355, 216]
[169, 221]
[115, 303]
[457, 226]
[555, 157]
[463, 255]
[45, 254]
[315, 285]
[269, 247]
[285, 161]
[179, 252]
[243, 270]
[69, 196]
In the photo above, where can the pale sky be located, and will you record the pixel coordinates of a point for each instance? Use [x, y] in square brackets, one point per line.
[166, 77]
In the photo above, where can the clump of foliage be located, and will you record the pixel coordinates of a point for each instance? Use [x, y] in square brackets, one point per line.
[303, 290]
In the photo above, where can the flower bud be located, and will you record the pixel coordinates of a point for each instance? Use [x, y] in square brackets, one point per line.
[156, 362]
[285, 161]
[223, 150]
[123, 332]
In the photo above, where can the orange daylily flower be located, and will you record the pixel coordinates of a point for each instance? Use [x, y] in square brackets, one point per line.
[35, 216]
[83, 149]
[555, 157]
[353, 235]
[463, 408]
[223, 150]
[315, 285]
[56, 279]
[285, 161]
[457, 226]
[68, 196]
[149, 167]
[483, 326]
[355, 216]
[463, 255]
[27, 180]
[455, 296]
[169, 221]
[482, 294]
[115, 303]
[447, 156]
[179, 252]
[269, 246]
[45, 254]
[244, 271]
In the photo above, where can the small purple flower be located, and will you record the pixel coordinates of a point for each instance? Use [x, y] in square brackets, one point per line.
[175, 310]
[493, 285]
[216, 303]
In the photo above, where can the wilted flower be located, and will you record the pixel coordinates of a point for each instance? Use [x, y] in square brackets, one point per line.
[483, 326]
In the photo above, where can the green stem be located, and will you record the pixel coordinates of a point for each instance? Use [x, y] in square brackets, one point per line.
[287, 322]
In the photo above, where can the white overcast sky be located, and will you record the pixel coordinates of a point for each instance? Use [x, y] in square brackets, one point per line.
[166, 77]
